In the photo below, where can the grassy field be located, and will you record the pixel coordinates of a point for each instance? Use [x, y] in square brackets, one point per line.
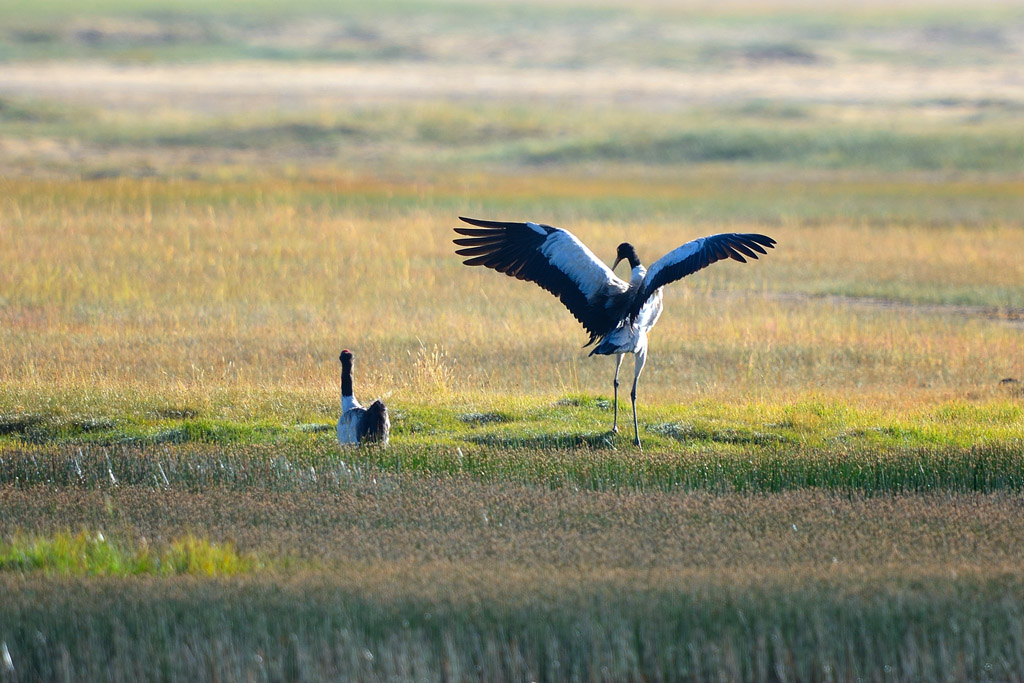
[200, 207]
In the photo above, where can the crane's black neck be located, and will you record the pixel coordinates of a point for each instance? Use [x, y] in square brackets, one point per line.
[626, 252]
[346, 374]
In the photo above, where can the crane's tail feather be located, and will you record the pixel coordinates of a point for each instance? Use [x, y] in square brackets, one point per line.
[376, 426]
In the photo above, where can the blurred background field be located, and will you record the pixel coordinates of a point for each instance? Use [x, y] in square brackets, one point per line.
[200, 205]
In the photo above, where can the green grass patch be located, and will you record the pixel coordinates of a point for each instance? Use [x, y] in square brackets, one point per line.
[94, 554]
[492, 135]
[813, 146]
[980, 138]
[729, 460]
[955, 446]
[41, 428]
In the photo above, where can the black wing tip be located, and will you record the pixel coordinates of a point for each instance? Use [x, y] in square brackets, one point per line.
[483, 228]
[481, 223]
[476, 232]
[503, 225]
[763, 240]
[750, 244]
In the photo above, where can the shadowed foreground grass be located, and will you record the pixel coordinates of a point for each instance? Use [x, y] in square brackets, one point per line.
[512, 564]
[383, 576]
[422, 572]
[785, 628]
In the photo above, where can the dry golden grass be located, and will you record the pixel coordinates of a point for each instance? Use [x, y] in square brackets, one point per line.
[190, 290]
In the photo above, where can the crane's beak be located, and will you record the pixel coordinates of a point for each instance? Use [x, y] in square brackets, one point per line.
[614, 265]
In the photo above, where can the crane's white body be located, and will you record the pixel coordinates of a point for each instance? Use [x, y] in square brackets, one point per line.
[631, 337]
[348, 423]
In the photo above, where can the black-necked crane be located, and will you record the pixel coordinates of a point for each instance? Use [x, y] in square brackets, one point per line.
[358, 424]
[618, 315]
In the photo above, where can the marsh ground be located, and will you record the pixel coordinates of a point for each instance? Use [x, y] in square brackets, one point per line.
[201, 207]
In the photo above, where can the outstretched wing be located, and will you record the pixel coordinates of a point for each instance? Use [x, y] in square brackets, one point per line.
[700, 253]
[555, 260]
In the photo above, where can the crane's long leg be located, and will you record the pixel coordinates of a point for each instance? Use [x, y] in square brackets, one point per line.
[615, 383]
[641, 359]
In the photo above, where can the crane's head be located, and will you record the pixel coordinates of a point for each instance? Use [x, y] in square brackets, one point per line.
[626, 252]
[345, 357]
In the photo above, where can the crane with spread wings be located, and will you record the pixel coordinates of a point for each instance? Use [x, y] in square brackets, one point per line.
[617, 314]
